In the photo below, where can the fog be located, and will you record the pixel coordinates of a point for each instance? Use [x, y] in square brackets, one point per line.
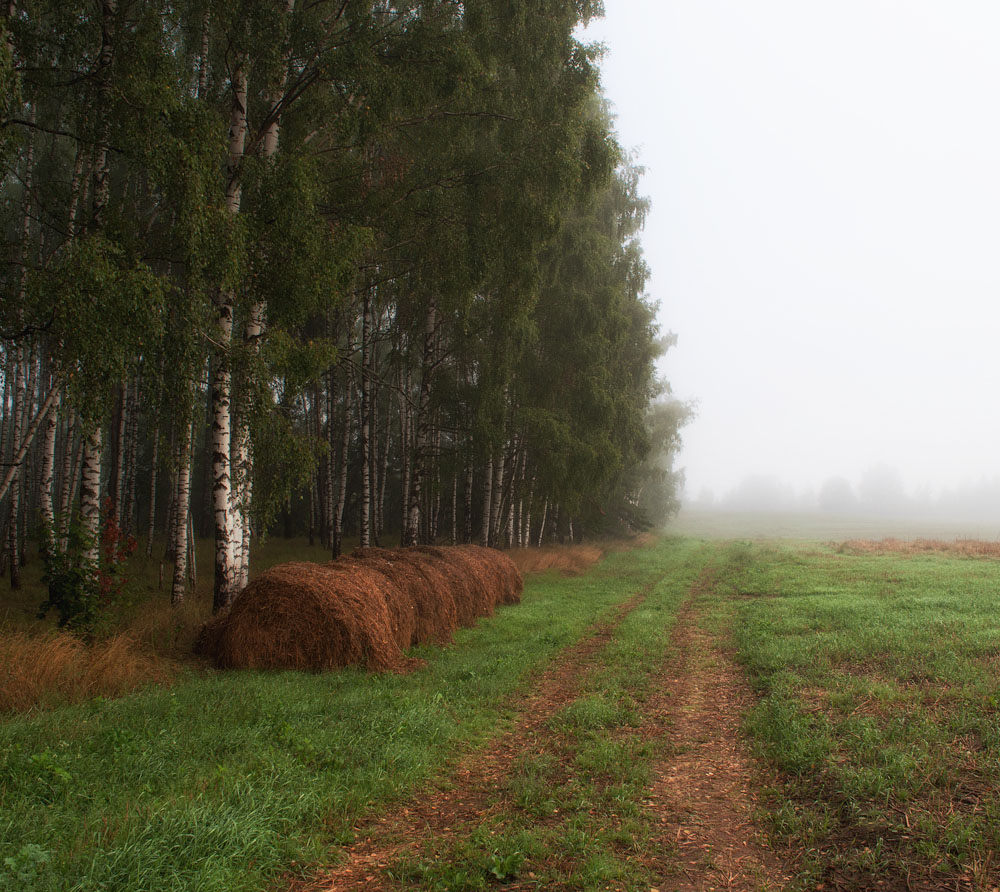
[824, 240]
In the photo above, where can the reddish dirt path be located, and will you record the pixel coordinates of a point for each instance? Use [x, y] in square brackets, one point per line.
[703, 786]
[445, 812]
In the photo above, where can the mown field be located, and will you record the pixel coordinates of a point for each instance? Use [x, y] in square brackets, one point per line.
[873, 730]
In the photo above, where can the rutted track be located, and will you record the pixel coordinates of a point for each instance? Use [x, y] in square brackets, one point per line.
[444, 812]
[703, 788]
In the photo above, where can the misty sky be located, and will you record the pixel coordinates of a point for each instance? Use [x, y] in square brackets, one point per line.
[825, 233]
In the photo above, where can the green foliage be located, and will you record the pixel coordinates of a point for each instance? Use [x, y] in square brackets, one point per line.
[28, 868]
[107, 309]
[88, 596]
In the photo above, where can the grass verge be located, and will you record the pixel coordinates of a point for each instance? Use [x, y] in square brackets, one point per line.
[224, 781]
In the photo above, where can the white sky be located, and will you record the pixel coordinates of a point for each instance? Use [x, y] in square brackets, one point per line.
[825, 232]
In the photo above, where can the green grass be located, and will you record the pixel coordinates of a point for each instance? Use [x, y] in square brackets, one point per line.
[226, 780]
[876, 727]
[879, 705]
[572, 814]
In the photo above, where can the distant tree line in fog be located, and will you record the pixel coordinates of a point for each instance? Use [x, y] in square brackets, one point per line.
[879, 492]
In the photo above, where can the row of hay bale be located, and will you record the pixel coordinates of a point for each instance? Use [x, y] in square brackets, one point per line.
[365, 609]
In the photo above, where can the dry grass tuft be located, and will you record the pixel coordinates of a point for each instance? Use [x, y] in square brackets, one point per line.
[960, 547]
[56, 669]
[570, 559]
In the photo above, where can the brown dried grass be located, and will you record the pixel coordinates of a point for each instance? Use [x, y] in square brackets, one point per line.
[469, 599]
[57, 668]
[398, 597]
[569, 559]
[437, 609]
[960, 547]
[365, 609]
[477, 586]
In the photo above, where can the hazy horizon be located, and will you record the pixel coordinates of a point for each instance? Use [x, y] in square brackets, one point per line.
[825, 216]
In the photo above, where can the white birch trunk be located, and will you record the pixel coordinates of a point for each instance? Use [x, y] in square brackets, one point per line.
[90, 495]
[20, 397]
[47, 479]
[243, 525]
[181, 516]
[487, 500]
[222, 480]
[497, 496]
[421, 439]
[366, 493]
[153, 473]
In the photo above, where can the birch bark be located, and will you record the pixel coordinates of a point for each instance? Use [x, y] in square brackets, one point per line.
[222, 381]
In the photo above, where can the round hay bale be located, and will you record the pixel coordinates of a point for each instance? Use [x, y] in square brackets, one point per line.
[514, 581]
[395, 589]
[501, 575]
[475, 586]
[437, 614]
[308, 616]
[468, 597]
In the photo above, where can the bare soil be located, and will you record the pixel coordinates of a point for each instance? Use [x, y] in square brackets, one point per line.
[703, 789]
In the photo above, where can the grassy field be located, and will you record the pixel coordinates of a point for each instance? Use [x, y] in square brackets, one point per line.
[874, 726]
[879, 706]
[226, 780]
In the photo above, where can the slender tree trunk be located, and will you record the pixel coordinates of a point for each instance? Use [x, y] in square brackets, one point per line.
[74, 483]
[497, 464]
[118, 426]
[131, 450]
[65, 493]
[21, 449]
[424, 423]
[383, 475]
[192, 553]
[181, 514]
[345, 445]
[541, 526]
[90, 495]
[153, 473]
[454, 508]
[364, 420]
[405, 426]
[47, 503]
[243, 527]
[526, 516]
[469, 480]
[20, 397]
[222, 481]
[331, 463]
[487, 500]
